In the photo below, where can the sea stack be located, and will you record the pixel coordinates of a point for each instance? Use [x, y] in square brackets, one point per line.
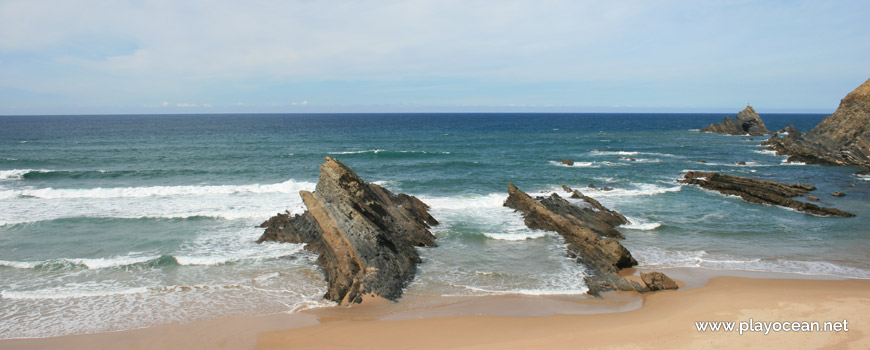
[747, 123]
[843, 138]
[582, 230]
[365, 235]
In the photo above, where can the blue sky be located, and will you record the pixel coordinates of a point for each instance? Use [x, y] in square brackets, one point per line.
[74, 57]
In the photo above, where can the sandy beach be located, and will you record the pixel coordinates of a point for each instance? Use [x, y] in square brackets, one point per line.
[617, 321]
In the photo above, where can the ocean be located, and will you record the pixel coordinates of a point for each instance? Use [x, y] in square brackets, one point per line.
[119, 222]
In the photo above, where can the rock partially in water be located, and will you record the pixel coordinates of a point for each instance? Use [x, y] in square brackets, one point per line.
[838, 194]
[747, 122]
[567, 162]
[842, 138]
[760, 191]
[365, 236]
[603, 256]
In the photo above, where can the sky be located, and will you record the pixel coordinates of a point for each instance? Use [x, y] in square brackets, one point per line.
[282, 56]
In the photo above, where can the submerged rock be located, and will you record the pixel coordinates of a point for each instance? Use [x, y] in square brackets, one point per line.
[567, 162]
[603, 255]
[657, 281]
[760, 191]
[365, 235]
[838, 194]
[842, 138]
[747, 122]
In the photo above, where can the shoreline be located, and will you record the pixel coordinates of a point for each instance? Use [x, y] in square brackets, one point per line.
[715, 292]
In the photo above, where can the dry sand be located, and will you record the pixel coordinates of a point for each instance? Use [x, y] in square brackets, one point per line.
[664, 321]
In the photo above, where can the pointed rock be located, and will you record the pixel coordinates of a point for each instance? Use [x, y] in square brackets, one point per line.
[603, 256]
[747, 122]
[364, 234]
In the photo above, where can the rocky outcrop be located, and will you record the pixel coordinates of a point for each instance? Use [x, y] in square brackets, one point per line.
[657, 281]
[567, 162]
[365, 235]
[760, 191]
[843, 138]
[603, 256]
[747, 122]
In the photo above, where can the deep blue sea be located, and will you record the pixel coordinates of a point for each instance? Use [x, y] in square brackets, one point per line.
[120, 222]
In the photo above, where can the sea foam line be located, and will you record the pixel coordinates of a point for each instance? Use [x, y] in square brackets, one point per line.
[289, 186]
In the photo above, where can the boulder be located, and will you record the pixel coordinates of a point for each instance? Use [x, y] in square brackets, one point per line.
[567, 162]
[838, 194]
[740, 163]
[657, 281]
[813, 198]
[747, 122]
[603, 256]
[567, 189]
[365, 236]
[842, 138]
[760, 191]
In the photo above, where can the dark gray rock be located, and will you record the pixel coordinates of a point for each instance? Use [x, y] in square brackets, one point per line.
[603, 256]
[365, 235]
[843, 138]
[747, 122]
[760, 191]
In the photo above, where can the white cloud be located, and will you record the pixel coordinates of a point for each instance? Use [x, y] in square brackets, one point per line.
[185, 105]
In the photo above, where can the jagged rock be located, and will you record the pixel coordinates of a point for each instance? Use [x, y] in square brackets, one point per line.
[591, 186]
[838, 194]
[567, 162]
[606, 189]
[658, 281]
[603, 256]
[760, 191]
[567, 189]
[747, 122]
[842, 138]
[813, 198]
[364, 234]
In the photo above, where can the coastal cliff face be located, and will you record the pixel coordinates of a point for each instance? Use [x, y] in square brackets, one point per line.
[604, 256]
[365, 235]
[747, 122]
[760, 191]
[843, 138]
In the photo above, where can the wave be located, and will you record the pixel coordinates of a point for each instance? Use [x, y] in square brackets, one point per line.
[70, 293]
[518, 236]
[587, 164]
[766, 151]
[786, 162]
[636, 190]
[136, 259]
[632, 153]
[384, 152]
[18, 174]
[640, 224]
[578, 291]
[289, 186]
[657, 257]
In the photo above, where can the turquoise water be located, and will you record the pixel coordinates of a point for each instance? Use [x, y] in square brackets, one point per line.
[119, 222]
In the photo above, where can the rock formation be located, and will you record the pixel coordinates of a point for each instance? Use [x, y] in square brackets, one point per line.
[760, 191]
[365, 235]
[602, 254]
[567, 162]
[747, 122]
[657, 281]
[843, 138]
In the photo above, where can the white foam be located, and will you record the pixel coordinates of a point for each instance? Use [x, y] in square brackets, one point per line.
[289, 186]
[518, 236]
[640, 224]
[18, 174]
[19, 264]
[657, 257]
[578, 291]
[376, 151]
[231, 202]
[864, 177]
[71, 292]
[116, 261]
[576, 164]
[765, 151]
[637, 190]
[786, 162]
[631, 153]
